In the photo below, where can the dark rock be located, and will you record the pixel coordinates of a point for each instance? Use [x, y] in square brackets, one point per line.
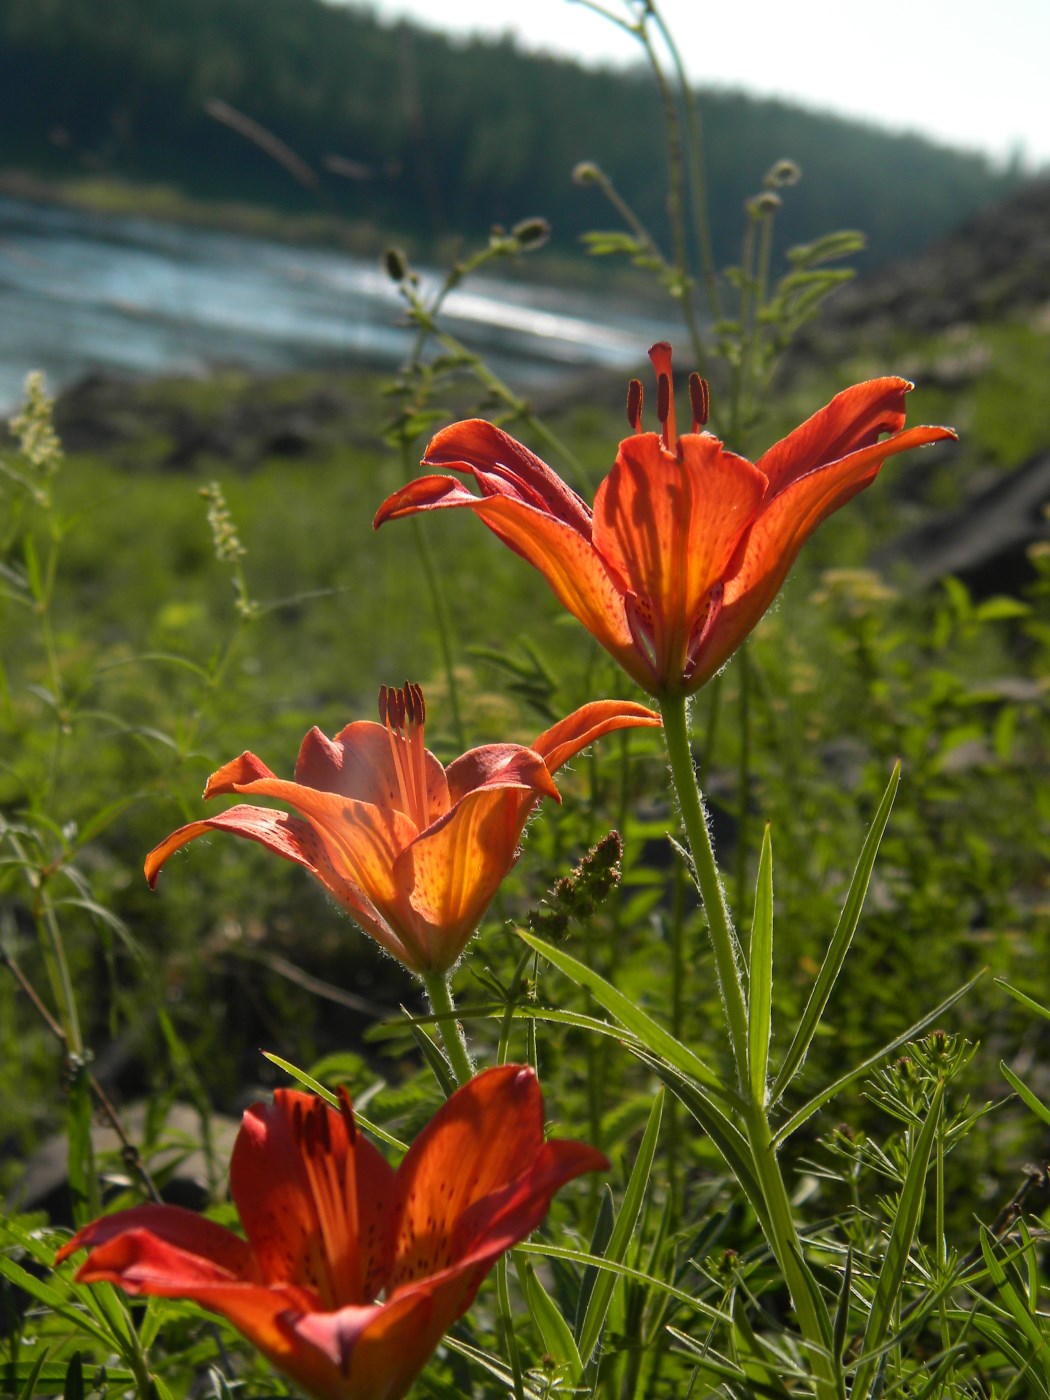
[986, 541]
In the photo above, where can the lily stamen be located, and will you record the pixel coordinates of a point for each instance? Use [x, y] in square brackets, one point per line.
[403, 712]
[333, 1187]
[635, 399]
[700, 400]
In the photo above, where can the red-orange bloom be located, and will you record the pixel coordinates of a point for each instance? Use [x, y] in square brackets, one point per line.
[414, 851]
[688, 543]
[330, 1227]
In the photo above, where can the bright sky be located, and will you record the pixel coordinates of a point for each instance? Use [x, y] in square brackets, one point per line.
[969, 73]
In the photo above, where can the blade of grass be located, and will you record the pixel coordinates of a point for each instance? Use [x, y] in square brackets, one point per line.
[433, 1056]
[840, 942]
[729, 1140]
[816, 1103]
[1015, 1305]
[315, 1087]
[606, 1265]
[902, 1237]
[555, 1332]
[622, 1233]
[603, 1227]
[1025, 1000]
[1023, 1092]
[653, 1036]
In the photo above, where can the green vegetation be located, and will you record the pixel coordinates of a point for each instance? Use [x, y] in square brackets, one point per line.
[818, 1182]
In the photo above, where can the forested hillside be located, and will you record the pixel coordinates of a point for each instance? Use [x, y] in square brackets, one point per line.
[422, 136]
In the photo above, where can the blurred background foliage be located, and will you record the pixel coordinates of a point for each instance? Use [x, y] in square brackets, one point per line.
[406, 131]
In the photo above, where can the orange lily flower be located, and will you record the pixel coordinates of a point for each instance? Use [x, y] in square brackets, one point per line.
[688, 543]
[414, 851]
[330, 1226]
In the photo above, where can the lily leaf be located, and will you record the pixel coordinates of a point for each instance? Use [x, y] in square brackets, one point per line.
[622, 1233]
[816, 1103]
[902, 1236]
[840, 942]
[760, 975]
[659, 1042]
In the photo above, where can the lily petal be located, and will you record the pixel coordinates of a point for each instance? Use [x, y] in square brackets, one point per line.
[503, 466]
[303, 1228]
[359, 763]
[485, 1141]
[452, 872]
[579, 730]
[783, 527]
[582, 581]
[670, 528]
[378, 1351]
[854, 418]
[183, 1238]
[296, 840]
[499, 765]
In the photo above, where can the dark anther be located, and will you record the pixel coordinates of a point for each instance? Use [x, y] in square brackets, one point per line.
[663, 397]
[346, 1108]
[635, 398]
[700, 398]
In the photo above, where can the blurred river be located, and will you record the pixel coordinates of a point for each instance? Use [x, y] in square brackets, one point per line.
[81, 293]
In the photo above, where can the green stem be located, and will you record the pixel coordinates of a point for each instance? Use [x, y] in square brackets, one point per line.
[720, 928]
[439, 993]
[439, 602]
[507, 1320]
[697, 174]
[787, 1247]
[783, 1237]
[743, 778]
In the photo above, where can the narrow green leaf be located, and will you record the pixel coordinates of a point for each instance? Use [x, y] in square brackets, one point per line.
[558, 1340]
[435, 1059]
[308, 1082]
[760, 975]
[623, 1231]
[913, 1032]
[1023, 1092]
[653, 1036]
[80, 1153]
[51, 1298]
[73, 1385]
[841, 1324]
[729, 1140]
[600, 1236]
[748, 1353]
[606, 1265]
[1016, 1307]
[29, 1389]
[1031, 1263]
[1025, 1000]
[719, 1368]
[902, 1237]
[33, 573]
[840, 941]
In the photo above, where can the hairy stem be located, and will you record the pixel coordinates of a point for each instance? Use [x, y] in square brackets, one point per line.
[439, 993]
